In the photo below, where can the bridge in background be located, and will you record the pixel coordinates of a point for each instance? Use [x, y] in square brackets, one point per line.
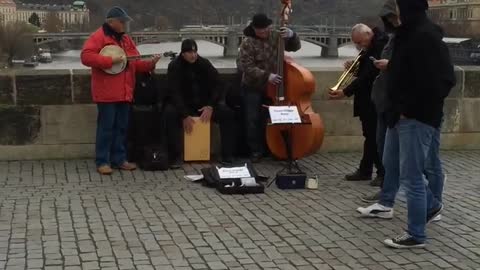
[330, 39]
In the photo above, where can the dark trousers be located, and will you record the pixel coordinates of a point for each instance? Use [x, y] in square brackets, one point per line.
[371, 155]
[112, 123]
[255, 119]
[222, 115]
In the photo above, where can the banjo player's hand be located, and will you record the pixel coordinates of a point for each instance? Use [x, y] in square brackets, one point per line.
[118, 59]
[156, 58]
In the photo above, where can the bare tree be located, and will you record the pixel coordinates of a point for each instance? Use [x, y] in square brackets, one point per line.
[53, 23]
[15, 40]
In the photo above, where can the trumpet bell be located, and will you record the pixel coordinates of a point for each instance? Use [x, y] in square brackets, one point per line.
[347, 76]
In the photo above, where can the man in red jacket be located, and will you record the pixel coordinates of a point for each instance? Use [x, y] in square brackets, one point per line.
[113, 93]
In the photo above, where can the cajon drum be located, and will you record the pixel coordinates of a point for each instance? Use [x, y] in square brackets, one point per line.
[197, 144]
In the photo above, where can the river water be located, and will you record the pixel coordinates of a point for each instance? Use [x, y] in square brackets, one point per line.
[308, 56]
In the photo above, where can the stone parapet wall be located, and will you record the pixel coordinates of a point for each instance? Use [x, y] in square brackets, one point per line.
[48, 114]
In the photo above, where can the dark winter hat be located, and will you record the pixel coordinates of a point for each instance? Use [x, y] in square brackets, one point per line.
[261, 20]
[118, 13]
[412, 5]
[189, 45]
[411, 11]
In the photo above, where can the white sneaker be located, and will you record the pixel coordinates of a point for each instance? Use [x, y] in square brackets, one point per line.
[437, 218]
[376, 211]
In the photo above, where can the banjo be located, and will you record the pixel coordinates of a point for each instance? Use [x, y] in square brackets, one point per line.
[114, 50]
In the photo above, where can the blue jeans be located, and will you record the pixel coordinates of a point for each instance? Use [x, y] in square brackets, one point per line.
[112, 123]
[381, 133]
[412, 149]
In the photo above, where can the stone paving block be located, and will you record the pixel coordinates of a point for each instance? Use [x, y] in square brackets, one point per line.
[159, 221]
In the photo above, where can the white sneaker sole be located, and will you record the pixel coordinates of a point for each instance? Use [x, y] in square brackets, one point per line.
[391, 244]
[381, 215]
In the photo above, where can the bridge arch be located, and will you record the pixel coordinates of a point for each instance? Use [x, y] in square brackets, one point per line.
[221, 41]
[228, 39]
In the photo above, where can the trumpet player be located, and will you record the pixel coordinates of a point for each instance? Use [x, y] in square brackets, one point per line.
[370, 42]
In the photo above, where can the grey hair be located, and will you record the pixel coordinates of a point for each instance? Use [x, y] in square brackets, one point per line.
[361, 29]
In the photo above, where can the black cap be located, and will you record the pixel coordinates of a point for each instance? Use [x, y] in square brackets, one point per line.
[189, 45]
[118, 13]
[261, 20]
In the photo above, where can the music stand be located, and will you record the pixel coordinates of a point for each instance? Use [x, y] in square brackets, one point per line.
[291, 167]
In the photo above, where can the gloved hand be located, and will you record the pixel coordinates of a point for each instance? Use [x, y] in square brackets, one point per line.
[286, 32]
[275, 78]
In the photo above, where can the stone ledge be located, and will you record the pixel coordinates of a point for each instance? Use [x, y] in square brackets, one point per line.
[44, 88]
[58, 87]
[459, 141]
[19, 125]
[39, 152]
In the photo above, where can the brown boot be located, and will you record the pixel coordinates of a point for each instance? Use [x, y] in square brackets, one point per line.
[105, 170]
[127, 166]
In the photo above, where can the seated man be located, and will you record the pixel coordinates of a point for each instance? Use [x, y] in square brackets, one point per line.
[195, 91]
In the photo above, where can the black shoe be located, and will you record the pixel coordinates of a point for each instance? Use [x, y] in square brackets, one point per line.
[358, 176]
[377, 182]
[371, 198]
[175, 165]
[404, 241]
[433, 214]
[256, 157]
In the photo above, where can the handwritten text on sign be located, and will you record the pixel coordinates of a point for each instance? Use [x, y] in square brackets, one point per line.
[236, 172]
[284, 115]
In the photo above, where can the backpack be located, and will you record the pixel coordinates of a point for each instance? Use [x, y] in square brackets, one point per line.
[147, 139]
[154, 158]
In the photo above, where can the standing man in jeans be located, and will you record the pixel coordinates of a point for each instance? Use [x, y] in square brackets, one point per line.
[113, 93]
[258, 61]
[421, 77]
[390, 18]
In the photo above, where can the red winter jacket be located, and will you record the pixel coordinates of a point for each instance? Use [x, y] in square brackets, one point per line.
[106, 87]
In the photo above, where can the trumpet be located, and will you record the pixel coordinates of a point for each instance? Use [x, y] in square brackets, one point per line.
[347, 77]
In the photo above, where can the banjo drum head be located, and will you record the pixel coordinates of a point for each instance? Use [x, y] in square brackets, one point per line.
[114, 50]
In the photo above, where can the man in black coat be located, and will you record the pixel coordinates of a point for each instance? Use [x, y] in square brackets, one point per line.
[371, 41]
[421, 76]
[196, 90]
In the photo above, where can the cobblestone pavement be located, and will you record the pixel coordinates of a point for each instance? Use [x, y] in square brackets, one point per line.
[62, 215]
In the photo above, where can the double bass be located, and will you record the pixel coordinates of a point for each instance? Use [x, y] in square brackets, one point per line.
[293, 141]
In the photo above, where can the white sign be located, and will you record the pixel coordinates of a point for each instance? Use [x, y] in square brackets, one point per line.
[248, 182]
[235, 172]
[284, 115]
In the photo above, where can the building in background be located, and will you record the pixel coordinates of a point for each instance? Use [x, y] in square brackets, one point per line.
[8, 11]
[459, 18]
[75, 14]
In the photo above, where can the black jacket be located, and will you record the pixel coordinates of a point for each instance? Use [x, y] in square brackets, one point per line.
[379, 88]
[361, 87]
[421, 72]
[193, 86]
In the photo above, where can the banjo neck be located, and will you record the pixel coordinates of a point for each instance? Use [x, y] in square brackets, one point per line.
[138, 57]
